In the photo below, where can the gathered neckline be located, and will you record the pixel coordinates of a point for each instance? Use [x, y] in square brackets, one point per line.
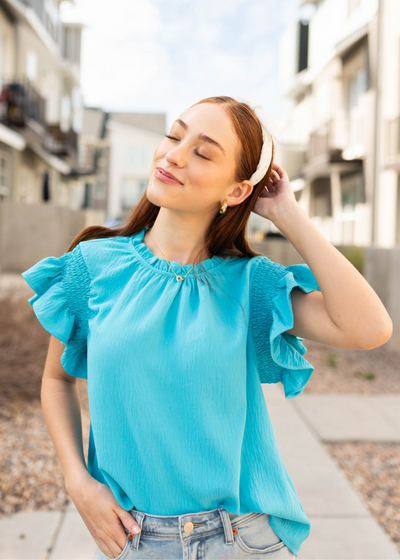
[161, 265]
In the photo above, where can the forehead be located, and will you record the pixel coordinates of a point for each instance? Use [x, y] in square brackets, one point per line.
[213, 120]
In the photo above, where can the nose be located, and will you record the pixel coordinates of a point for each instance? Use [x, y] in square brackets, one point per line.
[176, 156]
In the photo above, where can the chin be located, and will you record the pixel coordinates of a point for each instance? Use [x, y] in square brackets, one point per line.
[158, 194]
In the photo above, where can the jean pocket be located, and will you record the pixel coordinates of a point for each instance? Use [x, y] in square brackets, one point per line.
[256, 535]
[123, 552]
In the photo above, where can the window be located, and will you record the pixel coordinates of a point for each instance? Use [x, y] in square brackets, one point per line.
[357, 85]
[131, 191]
[142, 186]
[31, 65]
[352, 187]
[100, 189]
[321, 197]
[51, 18]
[302, 61]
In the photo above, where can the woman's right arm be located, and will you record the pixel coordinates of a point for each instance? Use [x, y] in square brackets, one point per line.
[62, 413]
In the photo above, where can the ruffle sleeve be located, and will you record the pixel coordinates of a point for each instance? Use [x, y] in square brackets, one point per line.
[279, 355]
[62, 286]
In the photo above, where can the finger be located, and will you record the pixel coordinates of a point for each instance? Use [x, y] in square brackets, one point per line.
[109, 550]
[279, 170]
[114, 538]
[116, 546]
[129, 522]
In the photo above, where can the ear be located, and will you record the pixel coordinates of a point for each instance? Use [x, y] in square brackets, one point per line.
[241, 191]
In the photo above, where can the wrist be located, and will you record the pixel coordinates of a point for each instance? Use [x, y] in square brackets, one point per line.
[74, 480]
[285, 214]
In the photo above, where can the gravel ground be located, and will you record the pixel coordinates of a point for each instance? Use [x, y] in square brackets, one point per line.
[31, 478]
[374, 470]
[343, 371]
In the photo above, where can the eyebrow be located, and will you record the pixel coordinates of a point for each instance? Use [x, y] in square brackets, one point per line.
[202, 136]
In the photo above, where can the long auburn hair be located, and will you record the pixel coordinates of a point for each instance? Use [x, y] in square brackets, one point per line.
[227, 233]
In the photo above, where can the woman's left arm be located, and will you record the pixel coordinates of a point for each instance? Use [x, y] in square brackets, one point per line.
[347, 313]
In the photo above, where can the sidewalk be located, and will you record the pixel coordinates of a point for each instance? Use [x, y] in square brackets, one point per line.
[341, 526]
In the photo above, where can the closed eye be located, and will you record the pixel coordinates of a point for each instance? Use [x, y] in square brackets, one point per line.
[196, 152]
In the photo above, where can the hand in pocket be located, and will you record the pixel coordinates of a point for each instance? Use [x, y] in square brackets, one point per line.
[107, 521]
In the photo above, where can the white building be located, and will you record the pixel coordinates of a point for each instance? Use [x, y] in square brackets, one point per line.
[119, 147]
[340, 83]
[40, 102]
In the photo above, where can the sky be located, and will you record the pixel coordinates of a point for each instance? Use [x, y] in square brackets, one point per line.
[162, 56]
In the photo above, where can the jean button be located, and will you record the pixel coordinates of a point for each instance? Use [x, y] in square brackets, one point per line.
[188, 527]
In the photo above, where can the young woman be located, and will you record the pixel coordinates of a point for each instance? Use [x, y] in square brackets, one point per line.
[175, 322]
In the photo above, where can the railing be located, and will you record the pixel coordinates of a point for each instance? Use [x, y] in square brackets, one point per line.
[61, 143]
[335, 135]
[321, 140]
[20, 102]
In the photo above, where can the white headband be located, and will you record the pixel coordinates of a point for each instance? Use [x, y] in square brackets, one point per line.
[270, 132]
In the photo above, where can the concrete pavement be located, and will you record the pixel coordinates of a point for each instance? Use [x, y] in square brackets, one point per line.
[341, 525]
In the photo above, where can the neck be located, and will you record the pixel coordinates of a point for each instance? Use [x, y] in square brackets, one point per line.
[180, 244]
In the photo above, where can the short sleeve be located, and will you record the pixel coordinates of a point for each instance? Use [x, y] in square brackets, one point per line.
[279, 355]
[62, 286]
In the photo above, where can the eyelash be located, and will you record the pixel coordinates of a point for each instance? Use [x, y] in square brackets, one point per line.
[197, 154]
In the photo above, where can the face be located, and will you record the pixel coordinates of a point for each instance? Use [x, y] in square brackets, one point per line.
[204, 168]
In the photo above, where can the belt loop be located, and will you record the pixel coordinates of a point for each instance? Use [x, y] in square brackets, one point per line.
[226, 522]
[139, 516]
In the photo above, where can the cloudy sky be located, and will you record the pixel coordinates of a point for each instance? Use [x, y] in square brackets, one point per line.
[163, 56]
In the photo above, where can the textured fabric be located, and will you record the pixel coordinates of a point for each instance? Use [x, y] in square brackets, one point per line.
[281, 360]
[179, 422]
[62, 288]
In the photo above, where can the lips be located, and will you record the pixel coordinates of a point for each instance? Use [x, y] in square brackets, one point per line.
[169, 175]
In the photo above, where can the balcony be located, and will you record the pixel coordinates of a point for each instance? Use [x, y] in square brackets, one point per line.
[61, 143]
[338, 138]
[21, 106]
[322, 140]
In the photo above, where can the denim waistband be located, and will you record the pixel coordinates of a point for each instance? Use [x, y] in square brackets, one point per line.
[189, 525]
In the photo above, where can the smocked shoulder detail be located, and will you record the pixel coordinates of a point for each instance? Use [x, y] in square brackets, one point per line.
[77, 283]
[279, 355]
[62, 286]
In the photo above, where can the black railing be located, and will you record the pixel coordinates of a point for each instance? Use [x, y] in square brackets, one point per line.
[20, 102]
[61, 143]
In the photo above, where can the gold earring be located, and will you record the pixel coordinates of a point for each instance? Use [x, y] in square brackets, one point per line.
[223, 208]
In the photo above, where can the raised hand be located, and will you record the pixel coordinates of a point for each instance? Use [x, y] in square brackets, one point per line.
[279, 194]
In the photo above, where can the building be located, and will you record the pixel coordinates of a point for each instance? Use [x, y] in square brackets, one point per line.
[40, 102]
[119, 148]
[340, 84]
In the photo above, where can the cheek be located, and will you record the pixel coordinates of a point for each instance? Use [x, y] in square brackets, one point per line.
[209, 182]
[158, 153]
[204, 189]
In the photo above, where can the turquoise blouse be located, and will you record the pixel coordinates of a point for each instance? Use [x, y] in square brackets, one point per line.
[179, 422]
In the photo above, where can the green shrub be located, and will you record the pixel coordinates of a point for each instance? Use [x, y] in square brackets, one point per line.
[331, 361]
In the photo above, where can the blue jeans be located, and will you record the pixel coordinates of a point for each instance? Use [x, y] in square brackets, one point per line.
[214, 534]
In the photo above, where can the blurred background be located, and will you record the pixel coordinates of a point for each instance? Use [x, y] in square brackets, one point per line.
[87, 91]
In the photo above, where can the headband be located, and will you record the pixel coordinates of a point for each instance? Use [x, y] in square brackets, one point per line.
[270, 132]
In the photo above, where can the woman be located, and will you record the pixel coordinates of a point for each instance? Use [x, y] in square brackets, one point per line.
[174, 321]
